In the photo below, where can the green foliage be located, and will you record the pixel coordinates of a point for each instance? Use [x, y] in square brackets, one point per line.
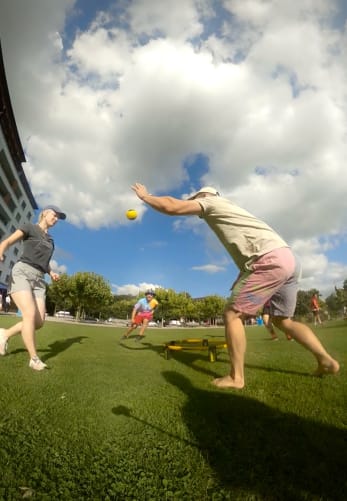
[121, 307]
[114, 421]
[211, 307]
[84, 293]
[60, 294]
[89, 294]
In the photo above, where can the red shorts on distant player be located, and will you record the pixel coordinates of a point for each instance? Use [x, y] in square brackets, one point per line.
[140, 317]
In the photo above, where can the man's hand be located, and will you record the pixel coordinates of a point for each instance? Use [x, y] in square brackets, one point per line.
[140, 190]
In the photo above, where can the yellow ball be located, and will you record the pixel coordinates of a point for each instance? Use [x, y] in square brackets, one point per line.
[131, 214]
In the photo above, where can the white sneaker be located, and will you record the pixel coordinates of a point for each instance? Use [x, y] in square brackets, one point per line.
[3, 342]
[37, 364]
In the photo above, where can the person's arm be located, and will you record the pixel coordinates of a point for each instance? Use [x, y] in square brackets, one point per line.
[12, 239]
[133, 313]
[54, 276]
[167, 205]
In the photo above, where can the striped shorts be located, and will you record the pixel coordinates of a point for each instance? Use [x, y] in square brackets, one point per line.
[274, 276]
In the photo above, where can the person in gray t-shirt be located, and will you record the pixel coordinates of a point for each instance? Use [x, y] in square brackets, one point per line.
[27, 286]
[268, 271]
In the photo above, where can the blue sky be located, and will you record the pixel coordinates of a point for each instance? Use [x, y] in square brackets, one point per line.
[245, 95]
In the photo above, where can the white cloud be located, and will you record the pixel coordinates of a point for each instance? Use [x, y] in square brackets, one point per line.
[58, 268]
[176, 20]
[209, 268]
[134, 290]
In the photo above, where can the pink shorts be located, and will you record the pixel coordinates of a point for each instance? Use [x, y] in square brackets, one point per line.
[274, 276]
[140, 317]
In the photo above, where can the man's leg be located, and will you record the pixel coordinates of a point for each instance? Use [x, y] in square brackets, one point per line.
[304, 335]
[129, 331]
[269, 326]
[236, 340]
[143, 327]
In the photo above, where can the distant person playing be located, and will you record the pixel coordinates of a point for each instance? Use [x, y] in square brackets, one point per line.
[267, 321]
[266, 316]
[7, 303]
[142, 314]
[268, 269]
[315, 308]
[27, 286]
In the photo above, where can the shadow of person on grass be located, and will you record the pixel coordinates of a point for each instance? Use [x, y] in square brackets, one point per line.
[59, 346]
[53, 348]
[184, 357]
[192, 359]
[262, 453]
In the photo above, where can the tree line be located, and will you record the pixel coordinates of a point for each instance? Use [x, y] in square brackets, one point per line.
[89, 295]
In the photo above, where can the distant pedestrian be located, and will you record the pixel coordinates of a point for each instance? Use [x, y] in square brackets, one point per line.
[142, 314]
[27, 286]
[268, 269]
[266, 316]
[7, 303]
[315, 308]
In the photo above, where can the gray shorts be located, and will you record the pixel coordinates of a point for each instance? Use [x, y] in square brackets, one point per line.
[26, 278]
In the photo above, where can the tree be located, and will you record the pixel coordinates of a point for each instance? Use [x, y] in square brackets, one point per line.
[122, 306]
[90, 293]
[211, 308]
[60, 294]
[303, 303]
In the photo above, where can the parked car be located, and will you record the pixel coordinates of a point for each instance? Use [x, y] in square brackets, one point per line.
[175, 323]
[193, 323]
[152, 324]
[62, 314]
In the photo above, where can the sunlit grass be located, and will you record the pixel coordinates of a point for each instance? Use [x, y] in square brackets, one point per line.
[118, 421]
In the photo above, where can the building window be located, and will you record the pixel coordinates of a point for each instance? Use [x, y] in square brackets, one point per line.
[3, 216]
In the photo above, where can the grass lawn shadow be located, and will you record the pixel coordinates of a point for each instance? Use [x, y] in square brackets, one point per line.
[59, 346]
[304, 459]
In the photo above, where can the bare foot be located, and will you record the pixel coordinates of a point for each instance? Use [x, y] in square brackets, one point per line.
[325, 368]
[228, 382]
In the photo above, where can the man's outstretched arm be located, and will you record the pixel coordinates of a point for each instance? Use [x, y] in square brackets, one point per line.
[167, 205]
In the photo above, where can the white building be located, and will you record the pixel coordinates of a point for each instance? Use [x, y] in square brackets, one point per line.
[17, 203]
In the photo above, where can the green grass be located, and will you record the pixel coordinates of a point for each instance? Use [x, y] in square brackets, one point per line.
[114, 421]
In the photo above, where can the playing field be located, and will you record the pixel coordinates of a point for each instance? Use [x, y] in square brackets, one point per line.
[112, 421]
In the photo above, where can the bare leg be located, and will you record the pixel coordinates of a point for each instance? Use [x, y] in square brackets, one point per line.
[143, 327]
[304, 335]
[33, 315]
[129, 331]
[269, 326]
[14, 330]
[236, 340]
